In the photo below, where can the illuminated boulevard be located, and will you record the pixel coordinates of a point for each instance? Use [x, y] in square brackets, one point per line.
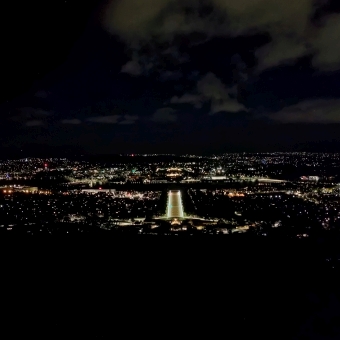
[175, 206]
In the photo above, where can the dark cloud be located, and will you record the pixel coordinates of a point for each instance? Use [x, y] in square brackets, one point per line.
[132, 67]
[284, 50]
[165, 115]
[162, 19]
[31, 112]
[35, 122]
[71, 121]
[290, 26]
[211, 89]
[171, 75]
[129, 119]
[41, 94]
[30, 116]
[195, 99]
[127, 122]
[319, 111]
[113, 119]
[327, 45]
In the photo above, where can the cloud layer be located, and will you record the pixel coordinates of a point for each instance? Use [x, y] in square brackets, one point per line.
[31, 116]
[132, 67]
[129, 119]
[211, 90]
[35, 122]
[291, 26]
[322, 111]
[71, 121]
[164, 115]
[113, 119]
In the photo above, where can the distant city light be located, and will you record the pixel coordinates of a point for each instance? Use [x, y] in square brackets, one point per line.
[263, 198]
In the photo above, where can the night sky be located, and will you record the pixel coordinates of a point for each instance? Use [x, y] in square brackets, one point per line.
[170, 76]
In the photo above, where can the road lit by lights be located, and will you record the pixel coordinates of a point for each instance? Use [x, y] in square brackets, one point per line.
[175, 206]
